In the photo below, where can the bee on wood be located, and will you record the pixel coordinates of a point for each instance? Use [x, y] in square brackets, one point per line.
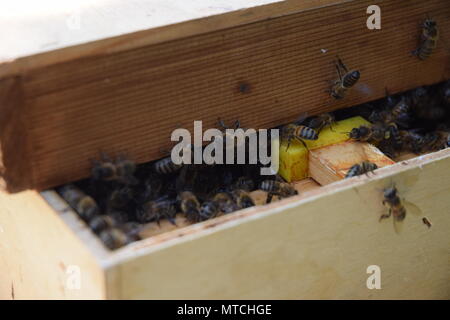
[347, 79]
[428, 39]
[397, 207]
[225, 202]
[298, 132]
[412, 141]
[361, 168]
[156, 210]
[437, 140]
[102, 222]
[209, 209]
[84, 205]
[189, 205]
[321, 121]
[277, 188]
[374, 133]
[243, 199]
[166, 166]
[114, 238]
[426, 222]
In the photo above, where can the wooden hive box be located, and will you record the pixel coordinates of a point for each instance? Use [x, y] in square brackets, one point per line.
[64, 99]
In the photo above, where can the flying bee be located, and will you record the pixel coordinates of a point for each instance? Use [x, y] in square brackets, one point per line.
[166, 166]
[361, 168]
[114, 238]
[156, 210]
[298, 132]
[243, 199]
[189, 205]
[428, 39]
[347, 79]
[426, 222]
[84, 205]
[397, 207]
[102, 222]
[277, 188]
[321, 121]
[224, 202]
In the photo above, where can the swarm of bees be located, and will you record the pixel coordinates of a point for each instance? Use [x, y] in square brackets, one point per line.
[120, 197]
[416, 121]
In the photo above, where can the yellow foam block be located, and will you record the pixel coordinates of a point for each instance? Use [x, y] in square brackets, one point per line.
[294, 161]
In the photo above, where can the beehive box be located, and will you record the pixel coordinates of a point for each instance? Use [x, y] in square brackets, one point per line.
[61, 102]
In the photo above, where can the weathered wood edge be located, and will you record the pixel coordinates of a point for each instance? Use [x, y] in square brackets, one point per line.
[15, 169]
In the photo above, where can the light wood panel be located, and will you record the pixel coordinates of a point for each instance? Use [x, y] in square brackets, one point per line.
[314, 247]
[331, 163]
[40, 256]
[132, 99]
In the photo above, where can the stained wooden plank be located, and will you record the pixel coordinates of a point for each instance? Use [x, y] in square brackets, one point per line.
[132, 99]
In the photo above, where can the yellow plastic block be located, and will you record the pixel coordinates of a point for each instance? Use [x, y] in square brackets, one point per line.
[294, 161]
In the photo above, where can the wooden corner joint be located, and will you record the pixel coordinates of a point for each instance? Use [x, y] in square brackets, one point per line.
[15, 170]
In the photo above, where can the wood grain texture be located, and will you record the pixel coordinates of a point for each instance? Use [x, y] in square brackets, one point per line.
[38, 253]
[15, 169]
[300, 248]
[331, 163]
[131, 100]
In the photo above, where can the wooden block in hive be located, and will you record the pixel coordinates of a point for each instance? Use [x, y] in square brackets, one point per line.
[331, 163]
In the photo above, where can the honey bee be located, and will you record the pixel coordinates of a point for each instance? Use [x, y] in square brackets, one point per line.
[298, 132]
[225, 202]
[437, 140]
[189, 205]
[243, 199]
[321, 121]
[397, 207]
[277, 188]
[120, 170]
[209, 209]
[132, 230]
[428, 39]
[102, 222]
[156, 210]
[84, 205]
[120, 198]
[114, 238]
[426, 222]
[166, 166]
[413, 141]
[361, 168]
[374, 133]
[244, 183]
[347, 79]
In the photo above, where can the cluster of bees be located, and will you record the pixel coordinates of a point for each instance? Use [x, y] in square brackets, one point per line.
[121, 197]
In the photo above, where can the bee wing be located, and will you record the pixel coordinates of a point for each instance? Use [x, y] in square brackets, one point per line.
[302, 118]
[398, 225]
[412, 208]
